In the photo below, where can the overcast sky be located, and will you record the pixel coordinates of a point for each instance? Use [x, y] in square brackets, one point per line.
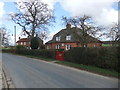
[104, 12]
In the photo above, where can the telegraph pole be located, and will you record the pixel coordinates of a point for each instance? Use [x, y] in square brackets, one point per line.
[15, 34]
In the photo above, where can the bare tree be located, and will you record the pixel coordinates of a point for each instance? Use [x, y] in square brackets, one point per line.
[33, 16]
[113, 33]
[43, 35]
[87, 28]
[4, 35]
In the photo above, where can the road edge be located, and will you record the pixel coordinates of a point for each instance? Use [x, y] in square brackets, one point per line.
[7, 81]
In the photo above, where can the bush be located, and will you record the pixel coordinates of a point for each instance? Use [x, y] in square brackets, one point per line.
[9, 50]
[42, 53]
[42, 47]
[34, 44]
[19, 47]
[104, 57]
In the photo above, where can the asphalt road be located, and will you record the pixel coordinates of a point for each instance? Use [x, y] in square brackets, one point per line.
[32, 73]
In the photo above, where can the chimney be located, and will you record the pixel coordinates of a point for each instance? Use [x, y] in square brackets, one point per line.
[19, 38]
[68, 26]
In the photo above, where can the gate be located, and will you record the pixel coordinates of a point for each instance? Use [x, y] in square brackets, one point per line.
[60, 55]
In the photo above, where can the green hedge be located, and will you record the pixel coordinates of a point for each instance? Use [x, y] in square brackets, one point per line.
[104, 57]
[9, 50]
[42, 53]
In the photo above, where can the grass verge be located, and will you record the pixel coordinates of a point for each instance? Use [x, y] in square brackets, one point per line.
[93, 69]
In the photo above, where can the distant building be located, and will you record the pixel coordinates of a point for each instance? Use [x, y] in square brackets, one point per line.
[26, 42]
[69, 37]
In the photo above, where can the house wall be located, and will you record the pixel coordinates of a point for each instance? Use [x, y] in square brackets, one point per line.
[63, 45]
[22, 43]
[94, 45]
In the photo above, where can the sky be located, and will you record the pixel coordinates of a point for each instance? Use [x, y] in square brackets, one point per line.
[104, 12]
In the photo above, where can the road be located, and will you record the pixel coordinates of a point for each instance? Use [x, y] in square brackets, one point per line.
[32, 73]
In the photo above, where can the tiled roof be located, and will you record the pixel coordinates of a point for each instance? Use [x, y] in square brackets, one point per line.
[75, 33]
[28, 39]
[108, 42]
[24, 40]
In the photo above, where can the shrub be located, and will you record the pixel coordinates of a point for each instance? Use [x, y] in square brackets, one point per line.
[34, 44]
[42, 47]
[19, 47]
[9, 50]
[42, 53]
[104, 57]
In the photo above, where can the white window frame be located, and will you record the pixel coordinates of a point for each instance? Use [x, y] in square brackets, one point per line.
[58, 38]
[94, 45]
[85, 46]
[24, 43]
[57, 46]
[68, 37]
[21, 43]
[62, 44]
[48, 47]
[68, 47]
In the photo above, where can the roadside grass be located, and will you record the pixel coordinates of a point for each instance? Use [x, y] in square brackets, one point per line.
[93, 69]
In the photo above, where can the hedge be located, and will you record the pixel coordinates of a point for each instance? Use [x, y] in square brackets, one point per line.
[104, 57]
[42, 53]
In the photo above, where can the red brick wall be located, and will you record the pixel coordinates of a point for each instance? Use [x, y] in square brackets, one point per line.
[27, 44]
[94, 44]
[53, 45]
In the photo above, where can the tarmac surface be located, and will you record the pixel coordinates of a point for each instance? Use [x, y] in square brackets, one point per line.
[33, 73]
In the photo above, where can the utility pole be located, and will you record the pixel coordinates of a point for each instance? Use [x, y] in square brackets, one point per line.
[15, 34]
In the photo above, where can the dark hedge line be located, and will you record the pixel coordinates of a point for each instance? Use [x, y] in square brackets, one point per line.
[42, 53]
[104, 57]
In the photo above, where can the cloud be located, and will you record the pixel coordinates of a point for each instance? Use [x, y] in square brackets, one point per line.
[102, 11]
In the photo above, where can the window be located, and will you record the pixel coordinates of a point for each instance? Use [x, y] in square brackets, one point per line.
[94, 45]
[24, 43]
[57, 46]
[85, 46]
[29, 43]
[21, 43]
[58, 38]
[68, 37]
[48, 47]
[68, 47]
[62, 44]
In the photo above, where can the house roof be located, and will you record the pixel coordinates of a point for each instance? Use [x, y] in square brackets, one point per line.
[108, 42]
[75, 33]
[27, 40]
[24, 40]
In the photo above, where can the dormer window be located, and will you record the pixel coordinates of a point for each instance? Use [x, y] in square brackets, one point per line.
[68, 37]
[58, 38]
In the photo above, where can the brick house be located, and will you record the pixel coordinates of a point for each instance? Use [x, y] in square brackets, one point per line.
[68, 37]
[26, 42]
